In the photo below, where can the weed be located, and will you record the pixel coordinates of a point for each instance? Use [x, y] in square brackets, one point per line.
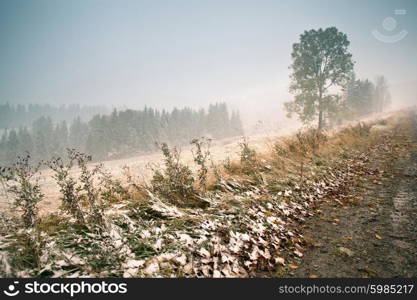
[26, 252]
[75, 195]
[25, 187]
[175, 182]
[71, 196]
[310, 141]
[20, 248]
[201, 154]
[247, 155]
[112, 189]
[228, 165]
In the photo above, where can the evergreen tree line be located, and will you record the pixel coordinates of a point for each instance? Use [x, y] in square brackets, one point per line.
[14, 116]
[364, 97]
[361, 97]
[119, 134]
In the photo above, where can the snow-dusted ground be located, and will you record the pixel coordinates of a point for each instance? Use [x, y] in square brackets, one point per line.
[139, 165]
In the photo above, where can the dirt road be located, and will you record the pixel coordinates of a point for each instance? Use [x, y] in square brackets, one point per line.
[373, 231]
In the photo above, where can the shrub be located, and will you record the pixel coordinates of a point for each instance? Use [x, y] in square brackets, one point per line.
[216, 173]
[307, 141]
[70, 191]
[25, 187]
[248, 160]
[112, 189]
[360, 130]
[75, 195]
[175, 182]
[311, 140]
[280, 151]
[247, 155]
[201, 156]
[24, 245]
[5, 176]
[26, 250]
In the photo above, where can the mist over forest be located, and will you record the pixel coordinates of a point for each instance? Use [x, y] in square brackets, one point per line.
[13, 116]
[117, 134]
[45, 131]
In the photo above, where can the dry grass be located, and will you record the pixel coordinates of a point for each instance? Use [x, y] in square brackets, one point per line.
[239, 196]
[300, 157]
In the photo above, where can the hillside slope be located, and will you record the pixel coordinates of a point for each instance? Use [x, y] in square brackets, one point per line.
[252, 217]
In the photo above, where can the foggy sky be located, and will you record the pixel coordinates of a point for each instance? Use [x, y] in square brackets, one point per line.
[186, 53]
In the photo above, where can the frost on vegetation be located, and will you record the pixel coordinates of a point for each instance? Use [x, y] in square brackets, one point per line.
[245, 229]
[217, 243]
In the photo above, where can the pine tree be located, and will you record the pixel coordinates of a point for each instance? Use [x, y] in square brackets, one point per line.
[25, 141]
[382, 94]
[77, 136]
[236, 124]
[12, 146]
[360, 97]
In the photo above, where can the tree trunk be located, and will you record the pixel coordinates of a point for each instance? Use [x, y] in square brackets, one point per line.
[320, 119]
[320, 111]
[321, 123]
